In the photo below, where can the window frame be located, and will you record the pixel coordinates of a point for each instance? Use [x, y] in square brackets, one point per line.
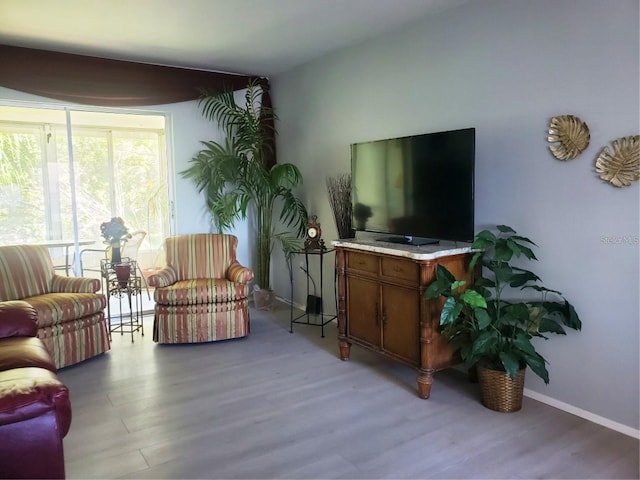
[49, 130]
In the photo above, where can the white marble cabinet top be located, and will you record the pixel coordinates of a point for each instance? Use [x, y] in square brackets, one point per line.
[420, 252]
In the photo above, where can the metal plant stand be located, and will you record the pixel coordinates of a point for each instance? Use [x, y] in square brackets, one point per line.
[126, 289]
[314, 314]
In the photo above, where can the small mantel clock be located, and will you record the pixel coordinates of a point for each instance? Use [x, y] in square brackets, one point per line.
[313, 234]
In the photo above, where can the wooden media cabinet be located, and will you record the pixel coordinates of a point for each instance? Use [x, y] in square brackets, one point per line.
[382, 307]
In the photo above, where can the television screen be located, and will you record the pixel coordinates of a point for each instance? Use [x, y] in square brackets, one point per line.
[418, 188]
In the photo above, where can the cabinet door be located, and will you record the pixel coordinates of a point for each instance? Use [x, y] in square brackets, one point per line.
[401, 322]
[362, 310]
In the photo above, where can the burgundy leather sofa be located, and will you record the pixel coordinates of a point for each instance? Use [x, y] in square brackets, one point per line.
[35, 410]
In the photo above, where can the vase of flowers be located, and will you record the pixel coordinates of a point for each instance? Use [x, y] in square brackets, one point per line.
[114, 232]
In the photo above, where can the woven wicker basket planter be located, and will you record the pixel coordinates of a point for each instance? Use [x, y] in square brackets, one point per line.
[499, 392]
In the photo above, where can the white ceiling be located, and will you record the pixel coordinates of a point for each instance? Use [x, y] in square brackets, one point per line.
[262, 37]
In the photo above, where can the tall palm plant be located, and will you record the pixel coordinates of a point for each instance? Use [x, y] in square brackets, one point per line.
[236, 180]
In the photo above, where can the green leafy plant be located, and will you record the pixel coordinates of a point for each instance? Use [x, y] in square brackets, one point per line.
[490, 329]
[235, 178]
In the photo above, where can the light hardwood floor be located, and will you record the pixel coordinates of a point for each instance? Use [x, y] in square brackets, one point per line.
[281, 405]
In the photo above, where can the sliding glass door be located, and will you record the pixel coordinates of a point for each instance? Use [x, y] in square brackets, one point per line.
[117, 167]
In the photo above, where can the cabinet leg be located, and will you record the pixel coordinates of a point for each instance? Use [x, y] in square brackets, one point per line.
[425, 379]
[345, 349]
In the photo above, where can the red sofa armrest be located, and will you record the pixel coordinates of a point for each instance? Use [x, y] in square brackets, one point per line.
[35, 415]
[18, 319]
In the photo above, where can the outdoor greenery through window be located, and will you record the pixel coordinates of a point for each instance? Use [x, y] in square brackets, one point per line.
[119, 169]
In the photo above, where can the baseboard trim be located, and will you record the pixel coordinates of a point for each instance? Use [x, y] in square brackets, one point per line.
[289, 303]
[592, 417]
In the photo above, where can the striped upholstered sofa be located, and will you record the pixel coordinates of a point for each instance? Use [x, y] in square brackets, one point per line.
[202, 293]
[71, 321]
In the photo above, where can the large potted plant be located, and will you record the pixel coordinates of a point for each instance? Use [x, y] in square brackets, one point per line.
[237, 181]
[493, 321]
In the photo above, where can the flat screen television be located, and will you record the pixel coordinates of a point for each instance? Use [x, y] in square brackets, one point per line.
[419, 188]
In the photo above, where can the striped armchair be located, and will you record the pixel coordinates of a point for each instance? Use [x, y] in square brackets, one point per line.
[202, 293]
[71, 321]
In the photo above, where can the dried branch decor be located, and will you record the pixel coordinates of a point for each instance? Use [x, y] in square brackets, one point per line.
[621, 166]
[339, 188]
[570, 137]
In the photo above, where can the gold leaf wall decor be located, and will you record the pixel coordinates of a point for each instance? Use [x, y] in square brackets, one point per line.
[570, 136]
[621, 166]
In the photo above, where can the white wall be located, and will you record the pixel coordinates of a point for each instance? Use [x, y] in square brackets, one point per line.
[186, 128]
[505, 67]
